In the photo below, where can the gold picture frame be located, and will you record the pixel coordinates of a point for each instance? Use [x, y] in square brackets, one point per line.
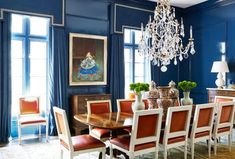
[87, 59]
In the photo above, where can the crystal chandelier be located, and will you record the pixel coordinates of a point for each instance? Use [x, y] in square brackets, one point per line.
[161, 39]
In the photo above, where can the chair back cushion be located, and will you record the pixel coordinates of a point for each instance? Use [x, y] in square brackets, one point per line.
[125, 106]
[178, 121]
[29, 105]
[145, 130]
[226, 113]
[219, 99]
[205, 116]
[99, 107]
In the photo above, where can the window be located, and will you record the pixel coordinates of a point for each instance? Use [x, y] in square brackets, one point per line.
[29, 52]
[137, 68]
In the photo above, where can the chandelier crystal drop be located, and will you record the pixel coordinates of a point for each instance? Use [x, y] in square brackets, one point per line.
[161, 39]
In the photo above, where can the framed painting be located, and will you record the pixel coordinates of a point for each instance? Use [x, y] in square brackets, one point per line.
[87, 59]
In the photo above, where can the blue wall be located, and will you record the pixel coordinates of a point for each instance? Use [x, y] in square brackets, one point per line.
[104, 17]
[213, 23]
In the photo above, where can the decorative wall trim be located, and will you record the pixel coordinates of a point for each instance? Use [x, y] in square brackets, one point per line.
[209, 5]
[125, 26]
[2, 10]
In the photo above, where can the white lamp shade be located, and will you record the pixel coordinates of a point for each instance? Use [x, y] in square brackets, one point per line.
[219, 66]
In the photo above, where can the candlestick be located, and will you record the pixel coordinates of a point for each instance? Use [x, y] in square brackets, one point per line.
[191, 32]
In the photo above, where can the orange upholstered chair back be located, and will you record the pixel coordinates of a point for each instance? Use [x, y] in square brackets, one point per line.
[226, 113]
[178, 121]
[99, 106]
[205, 116]
[219, 99]
[124, 105]
[145, 130]
[29, 105]
[146, 104]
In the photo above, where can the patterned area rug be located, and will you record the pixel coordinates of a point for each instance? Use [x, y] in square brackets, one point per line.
[50, 150]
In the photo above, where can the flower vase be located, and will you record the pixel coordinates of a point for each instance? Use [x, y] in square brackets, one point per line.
[186, 100]
[138, 104]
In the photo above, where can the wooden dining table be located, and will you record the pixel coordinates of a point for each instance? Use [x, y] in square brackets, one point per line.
[111, 121]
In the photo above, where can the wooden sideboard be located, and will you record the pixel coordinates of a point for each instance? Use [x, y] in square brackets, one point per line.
[79, 106]
[212, 92]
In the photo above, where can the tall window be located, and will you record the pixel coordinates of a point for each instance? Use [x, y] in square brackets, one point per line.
[29, 52]
[137, 68]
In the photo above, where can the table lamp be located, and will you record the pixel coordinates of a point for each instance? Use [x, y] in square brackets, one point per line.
[219, 67]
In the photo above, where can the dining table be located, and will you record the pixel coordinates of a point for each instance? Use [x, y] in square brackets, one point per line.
[111, 121]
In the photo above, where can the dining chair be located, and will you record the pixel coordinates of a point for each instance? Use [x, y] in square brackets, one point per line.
[144, 137]
[176, 128]
[202, 125]
[124, 105]
[98, 107]
[77, 144]
[224, 123]
[30, 116]
[219, 99]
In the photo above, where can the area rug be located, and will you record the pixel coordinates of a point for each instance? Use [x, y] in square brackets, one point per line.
[50, 150]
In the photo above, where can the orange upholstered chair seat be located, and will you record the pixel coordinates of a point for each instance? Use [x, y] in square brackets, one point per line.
[31, 120]
[83, 142]
[101, 133]
[124, 142]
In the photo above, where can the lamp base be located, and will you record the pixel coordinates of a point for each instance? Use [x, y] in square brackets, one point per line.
[220, 81]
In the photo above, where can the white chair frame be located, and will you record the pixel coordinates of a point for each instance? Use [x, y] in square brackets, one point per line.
[168, 134]
[218, 125]
[31, 116]
[67, 138]
[135, 141]
[196, 130]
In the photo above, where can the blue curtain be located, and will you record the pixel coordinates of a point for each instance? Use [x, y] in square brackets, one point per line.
[58, 74]
[117, 80]
[5, 81]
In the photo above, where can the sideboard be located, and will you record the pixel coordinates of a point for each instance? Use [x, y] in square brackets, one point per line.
[79, 106]
[212, 92]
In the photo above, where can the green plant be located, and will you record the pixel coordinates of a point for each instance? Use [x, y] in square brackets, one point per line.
[186, 86]
[138, 87]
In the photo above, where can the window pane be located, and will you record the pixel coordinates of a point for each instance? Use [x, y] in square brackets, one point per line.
[137, 36]
[35, 70]
[36, 84]
[38, 49]
[38, 26]
[127, 55]
[16, 48]
[127, 36]
[139, 79]
[138, 58]
[16, 68]
[139, 69]
[17, 23]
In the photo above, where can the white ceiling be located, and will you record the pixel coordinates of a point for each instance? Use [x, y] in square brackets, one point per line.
[183, 3]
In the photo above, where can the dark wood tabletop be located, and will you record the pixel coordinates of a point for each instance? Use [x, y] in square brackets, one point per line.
[113, 120]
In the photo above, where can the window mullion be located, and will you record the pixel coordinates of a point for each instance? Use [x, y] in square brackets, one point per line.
[27, 56]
